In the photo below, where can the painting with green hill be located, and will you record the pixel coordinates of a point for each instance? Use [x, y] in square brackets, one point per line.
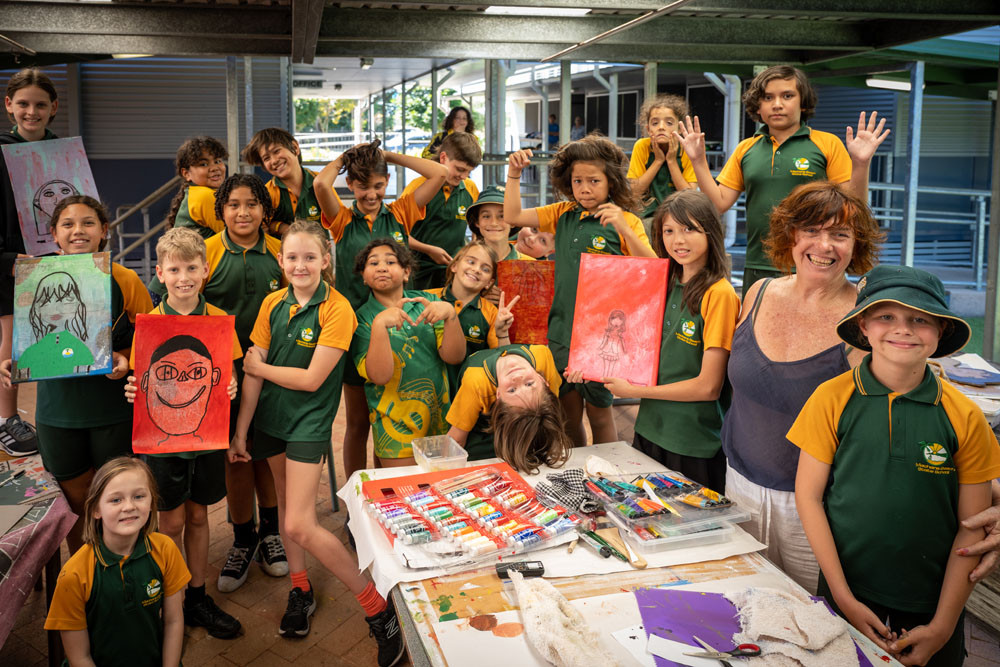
[62, 317]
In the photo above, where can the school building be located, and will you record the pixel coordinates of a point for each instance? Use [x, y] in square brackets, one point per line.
[135, 79]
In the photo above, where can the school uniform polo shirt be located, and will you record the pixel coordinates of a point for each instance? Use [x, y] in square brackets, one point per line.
[197, 211]
[897, 462]
[577, 232]
[662, 185]
[414, 402]
[351, 232]
[239, 278]
[478, 319]
[94, 400]
[287, 206]
[515, 254]
[768, 172]
[478, 390]
[119, 600]
[290, 333]
[689, 428]
[203, 308]
[444, 223]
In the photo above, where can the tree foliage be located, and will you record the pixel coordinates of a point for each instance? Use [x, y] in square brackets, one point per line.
[320, 114]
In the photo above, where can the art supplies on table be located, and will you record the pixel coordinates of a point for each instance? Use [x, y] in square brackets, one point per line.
[618, 317]
[972, 375]
[62, 317]
[665, 510]
[25, 481]
[439, 452]
[464, 518]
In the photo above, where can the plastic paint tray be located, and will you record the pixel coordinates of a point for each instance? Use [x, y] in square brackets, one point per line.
[722, 531]
[439, 452]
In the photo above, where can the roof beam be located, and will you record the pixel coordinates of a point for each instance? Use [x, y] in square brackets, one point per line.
[938, 10]
[534, 51]
[346, 25]
[187, 21]
[56, 42]
[307, 15]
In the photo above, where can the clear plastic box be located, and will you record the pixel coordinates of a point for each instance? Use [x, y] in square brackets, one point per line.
[439, 452]
[721, 532]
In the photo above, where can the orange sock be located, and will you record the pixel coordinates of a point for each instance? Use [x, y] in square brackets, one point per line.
[301, 580]
[371, 601]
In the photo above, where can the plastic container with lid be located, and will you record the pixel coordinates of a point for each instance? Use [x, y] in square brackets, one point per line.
[439, 452]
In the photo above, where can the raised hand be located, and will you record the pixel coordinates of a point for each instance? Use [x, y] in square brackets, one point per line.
[517, 161]
[691, 138]
[861, 146]
[505, 317]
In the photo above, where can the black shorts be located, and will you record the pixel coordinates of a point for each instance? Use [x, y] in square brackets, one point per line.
[201, 479]
[68, 453]
[6, 295]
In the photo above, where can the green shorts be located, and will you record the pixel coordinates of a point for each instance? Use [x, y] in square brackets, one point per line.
[201, 480]
[265, 446]
[593, 392]
[68, 453]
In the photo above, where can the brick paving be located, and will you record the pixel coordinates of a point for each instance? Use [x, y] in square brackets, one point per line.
[339, 635]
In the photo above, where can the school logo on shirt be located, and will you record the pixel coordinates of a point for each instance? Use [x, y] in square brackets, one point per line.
[461, 213]
[153, 588]
[398, 236]
[475, 333]
[687, 333]
[67, 352]
[313, 211]
[802, 168]
[598, 242]
[936, 456]
[273, 285]
[305, 336]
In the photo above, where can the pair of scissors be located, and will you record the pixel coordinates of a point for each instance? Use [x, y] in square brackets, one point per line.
[741, 651]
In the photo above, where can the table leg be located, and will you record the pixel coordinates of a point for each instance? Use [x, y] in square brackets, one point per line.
[52, 567]
[415, 647]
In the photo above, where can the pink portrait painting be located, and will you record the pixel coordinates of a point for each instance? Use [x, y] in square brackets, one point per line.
[41, 174]
[183, 364]
[618, 320]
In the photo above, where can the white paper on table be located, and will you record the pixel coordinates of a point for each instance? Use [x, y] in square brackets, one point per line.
[973, 360]
[634, 640]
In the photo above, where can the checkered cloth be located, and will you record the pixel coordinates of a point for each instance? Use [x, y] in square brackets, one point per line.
[566, 488]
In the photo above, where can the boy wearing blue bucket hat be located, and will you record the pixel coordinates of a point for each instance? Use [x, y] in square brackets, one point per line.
[893, 458]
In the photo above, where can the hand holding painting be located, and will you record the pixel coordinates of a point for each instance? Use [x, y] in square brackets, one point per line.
[505, 317]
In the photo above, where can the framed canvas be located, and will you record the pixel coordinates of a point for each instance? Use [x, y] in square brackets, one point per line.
[41, 174]
[618, 319]
[183, 364]
[534, 282]
[62, 317]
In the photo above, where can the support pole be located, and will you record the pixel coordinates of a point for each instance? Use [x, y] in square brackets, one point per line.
[913, 161]
[385, 114]
[435, 101]
[232, 115]
[613, 108]
[565, 100]
[496, 80]
[991, 334]
[73, 93]
[286, 101]
[731, 88]
[248, 97]
[543, 176]
[649, 80]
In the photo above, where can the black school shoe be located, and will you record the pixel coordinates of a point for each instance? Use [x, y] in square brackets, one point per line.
[17, 437]
[384, 627]
[237, 566]
[295, 622]
[206, 614]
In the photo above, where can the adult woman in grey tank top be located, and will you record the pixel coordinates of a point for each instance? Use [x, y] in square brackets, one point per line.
[784, 347]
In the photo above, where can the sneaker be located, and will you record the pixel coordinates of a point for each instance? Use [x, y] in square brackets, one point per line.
[207, 614]
[271, 556]
[17, 437]
[384, 627]
[295, 622]
[237, 567]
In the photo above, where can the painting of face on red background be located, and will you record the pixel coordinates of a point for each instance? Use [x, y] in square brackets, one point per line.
[618, 320]
[183, 365]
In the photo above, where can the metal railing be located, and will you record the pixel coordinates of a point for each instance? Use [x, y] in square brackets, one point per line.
[144, 237]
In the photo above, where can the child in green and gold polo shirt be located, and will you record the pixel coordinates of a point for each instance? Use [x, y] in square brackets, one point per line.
[893, 458]
[189, 482]
[436, 238]
[291, 184]
[783, 154]
[117, 601]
